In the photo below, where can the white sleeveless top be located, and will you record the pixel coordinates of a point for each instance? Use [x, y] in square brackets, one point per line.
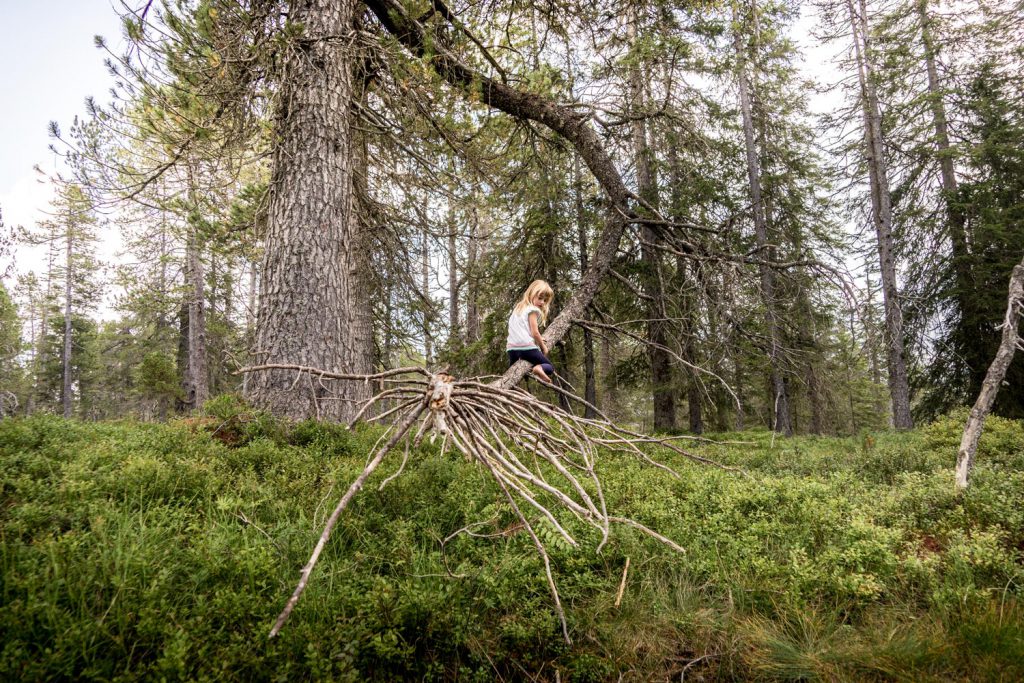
[519, 337]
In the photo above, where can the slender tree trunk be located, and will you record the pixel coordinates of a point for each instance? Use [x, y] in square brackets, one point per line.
[307, 293]
[66, 390]
[688, 349]
[197, 387]
[687, 281]
[956, 221]
[737, 382]
[44, 323]
[33, 359]
[662, 391]
[250, 320]
[779, 396]
[428, 345]
[473, 253]
[161, 319]
[871, 338]
[590, 378]
[881, 207]
[815, 397]
[454, 327]
[849, 395]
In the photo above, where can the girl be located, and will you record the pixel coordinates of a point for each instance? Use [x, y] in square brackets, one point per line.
[524, 340]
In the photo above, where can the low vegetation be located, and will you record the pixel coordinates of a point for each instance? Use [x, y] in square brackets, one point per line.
[145, 551]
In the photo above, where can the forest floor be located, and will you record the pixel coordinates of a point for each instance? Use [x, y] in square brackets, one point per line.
[145, 551]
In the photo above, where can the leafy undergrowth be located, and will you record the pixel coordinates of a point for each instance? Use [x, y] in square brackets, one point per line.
[141, 551]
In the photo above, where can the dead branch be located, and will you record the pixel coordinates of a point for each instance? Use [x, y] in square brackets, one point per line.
[993, 378]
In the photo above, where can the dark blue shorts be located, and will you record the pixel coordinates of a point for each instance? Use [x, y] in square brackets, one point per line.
[534, 357]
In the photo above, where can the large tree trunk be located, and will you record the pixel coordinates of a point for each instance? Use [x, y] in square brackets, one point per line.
[779, 396]
[993, 378]
[881, 209]
[308, 297]
[361, 353]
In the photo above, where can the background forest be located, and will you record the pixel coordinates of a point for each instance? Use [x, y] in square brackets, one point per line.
[813, 272]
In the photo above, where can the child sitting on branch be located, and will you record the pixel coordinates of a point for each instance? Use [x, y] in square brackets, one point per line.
[524, 340]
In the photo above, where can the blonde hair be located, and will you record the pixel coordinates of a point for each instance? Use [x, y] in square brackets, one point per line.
[537, 287]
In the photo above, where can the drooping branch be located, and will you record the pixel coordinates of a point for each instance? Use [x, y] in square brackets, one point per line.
[568, 122]
[993, 378]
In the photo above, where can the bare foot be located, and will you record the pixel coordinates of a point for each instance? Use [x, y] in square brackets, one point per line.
[541, 375]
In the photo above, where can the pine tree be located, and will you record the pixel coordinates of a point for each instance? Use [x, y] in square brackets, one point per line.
[70, 235]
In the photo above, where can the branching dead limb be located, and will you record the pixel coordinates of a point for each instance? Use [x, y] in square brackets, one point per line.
[1011, 341]
[537, 453]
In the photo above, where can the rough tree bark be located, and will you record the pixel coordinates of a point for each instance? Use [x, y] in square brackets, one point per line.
[364, 286]
[993, 378]
[780, 397]
[308, 295]
[881, 210]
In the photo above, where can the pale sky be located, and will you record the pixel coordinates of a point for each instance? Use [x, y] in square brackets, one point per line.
[50, 65]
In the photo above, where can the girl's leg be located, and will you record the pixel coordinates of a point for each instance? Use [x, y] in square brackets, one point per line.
[542, 367]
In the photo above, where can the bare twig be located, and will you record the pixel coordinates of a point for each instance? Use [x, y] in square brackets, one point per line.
[622, 584]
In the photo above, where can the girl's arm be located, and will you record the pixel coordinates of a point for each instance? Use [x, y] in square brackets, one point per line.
[535, 332]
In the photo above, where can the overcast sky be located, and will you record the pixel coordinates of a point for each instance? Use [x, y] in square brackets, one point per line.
[50, 65]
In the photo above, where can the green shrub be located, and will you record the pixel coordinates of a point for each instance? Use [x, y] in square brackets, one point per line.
[142, 551]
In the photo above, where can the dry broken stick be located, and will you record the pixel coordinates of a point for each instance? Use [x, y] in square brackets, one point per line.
[540, 456]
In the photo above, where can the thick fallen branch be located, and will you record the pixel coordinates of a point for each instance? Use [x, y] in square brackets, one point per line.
[541, 457]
